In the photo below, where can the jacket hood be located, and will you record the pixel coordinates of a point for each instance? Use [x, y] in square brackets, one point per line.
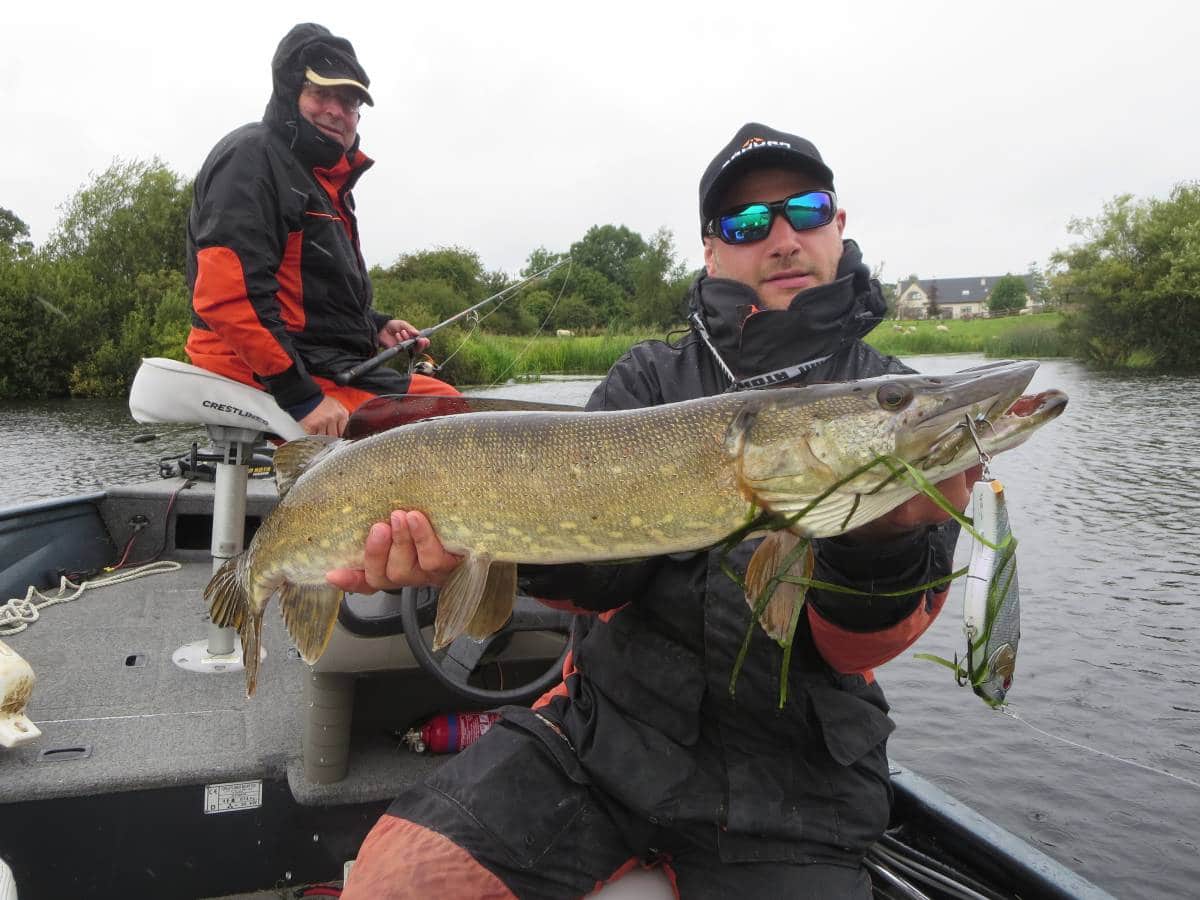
[818, 322]
[302, 43]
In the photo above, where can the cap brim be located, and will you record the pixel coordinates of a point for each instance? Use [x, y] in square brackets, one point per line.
[760, 159]
[316, 78]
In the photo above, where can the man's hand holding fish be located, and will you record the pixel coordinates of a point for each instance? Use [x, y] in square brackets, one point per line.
[401, 552]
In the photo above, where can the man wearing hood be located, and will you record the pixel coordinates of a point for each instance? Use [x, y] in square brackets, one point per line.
[281, 298]
[641, 755]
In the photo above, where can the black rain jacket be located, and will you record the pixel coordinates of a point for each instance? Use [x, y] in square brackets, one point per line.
[648, 709]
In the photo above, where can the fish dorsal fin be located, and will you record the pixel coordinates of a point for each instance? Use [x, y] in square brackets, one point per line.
[295, 457]
[392, 410]
[309, 614]
[459, 599]
[781, 610]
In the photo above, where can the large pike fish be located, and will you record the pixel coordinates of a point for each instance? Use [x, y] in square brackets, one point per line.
[556, 487]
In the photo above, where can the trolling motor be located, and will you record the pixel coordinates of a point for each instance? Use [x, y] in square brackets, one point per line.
[201, 465]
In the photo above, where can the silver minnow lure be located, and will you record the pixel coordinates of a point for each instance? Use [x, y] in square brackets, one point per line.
[991, 602]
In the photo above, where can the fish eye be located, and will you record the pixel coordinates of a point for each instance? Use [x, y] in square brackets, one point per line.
[893, 397]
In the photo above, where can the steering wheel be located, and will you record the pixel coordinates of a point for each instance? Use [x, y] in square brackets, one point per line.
[453, 665]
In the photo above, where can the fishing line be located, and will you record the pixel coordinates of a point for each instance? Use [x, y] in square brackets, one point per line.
[542, 327]
[1006, 710]
[475, 320]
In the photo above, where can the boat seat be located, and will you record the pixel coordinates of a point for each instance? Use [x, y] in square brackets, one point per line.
[170, 392]
[237, 417]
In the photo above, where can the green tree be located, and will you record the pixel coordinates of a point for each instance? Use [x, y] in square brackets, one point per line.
[14, 234]
[540, 260]
[932, 310]
[612, 251]
[661, 281]
[1008, 295]
[457, 267]
[131, 219]
[127, 223]
[1136, 280]
[37, 341]
[1037, 284]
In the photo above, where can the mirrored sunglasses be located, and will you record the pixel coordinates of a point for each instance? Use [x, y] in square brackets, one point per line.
[752, 222]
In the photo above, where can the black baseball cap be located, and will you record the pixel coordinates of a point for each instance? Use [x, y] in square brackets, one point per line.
[756, 146]
[329, 65]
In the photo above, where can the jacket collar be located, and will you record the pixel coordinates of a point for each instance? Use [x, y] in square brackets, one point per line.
[818, 322]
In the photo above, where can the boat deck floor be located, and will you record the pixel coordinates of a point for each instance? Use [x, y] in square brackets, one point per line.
[117, 714]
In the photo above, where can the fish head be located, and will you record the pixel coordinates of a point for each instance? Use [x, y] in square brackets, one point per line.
[796, 445]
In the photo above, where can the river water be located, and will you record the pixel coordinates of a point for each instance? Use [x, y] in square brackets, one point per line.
[1097, 759]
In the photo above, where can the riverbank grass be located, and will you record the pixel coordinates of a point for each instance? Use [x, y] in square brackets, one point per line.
[1013, 337]
[494, 358]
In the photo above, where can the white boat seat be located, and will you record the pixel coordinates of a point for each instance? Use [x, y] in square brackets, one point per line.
[171, 392]
[236, 417]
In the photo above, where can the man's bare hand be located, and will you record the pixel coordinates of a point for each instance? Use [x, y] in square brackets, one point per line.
[920, 510]
[402, 552]
[329, 418]
[398, 330]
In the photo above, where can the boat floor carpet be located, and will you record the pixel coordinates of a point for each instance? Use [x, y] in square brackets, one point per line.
[117, 714]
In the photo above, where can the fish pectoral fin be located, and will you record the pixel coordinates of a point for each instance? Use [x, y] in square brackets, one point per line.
[459, 599]
[309, 614]
[787, 598]
[496, 604]
[292, 459]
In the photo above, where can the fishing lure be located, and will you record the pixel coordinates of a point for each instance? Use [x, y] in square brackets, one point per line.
[991, 600]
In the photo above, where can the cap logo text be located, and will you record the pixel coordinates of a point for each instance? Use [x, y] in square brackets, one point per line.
[755, 143]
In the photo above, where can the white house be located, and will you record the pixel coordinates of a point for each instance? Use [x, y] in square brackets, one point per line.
[957, 298]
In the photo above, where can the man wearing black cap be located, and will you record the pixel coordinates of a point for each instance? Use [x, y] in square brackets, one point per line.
[641, 754]
[281, 298]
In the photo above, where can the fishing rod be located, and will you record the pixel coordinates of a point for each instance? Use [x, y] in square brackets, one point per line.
[384, 355]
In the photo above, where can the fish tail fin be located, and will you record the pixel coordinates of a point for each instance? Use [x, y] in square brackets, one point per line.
[309, 614]
[477, 598]
[229, 607]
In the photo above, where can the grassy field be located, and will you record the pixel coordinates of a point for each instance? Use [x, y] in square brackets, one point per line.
[488, 359]
[1013, 337]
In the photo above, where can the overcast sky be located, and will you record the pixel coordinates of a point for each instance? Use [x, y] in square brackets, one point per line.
[963, 135]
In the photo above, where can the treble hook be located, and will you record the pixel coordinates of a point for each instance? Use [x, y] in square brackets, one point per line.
[984, 457]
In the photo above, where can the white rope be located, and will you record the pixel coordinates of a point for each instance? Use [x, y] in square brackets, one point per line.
[19, 613]
[1006, 710]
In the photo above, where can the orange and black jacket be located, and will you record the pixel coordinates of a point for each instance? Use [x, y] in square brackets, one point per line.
[280, 291]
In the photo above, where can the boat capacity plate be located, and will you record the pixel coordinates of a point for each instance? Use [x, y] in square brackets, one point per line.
[232, 796]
